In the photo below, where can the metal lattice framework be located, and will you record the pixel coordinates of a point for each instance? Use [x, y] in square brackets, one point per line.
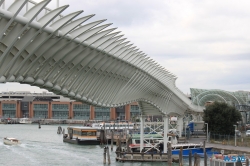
[86, 62]
[201, 96]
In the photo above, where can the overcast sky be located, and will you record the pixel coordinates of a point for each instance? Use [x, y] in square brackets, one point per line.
[206, 44]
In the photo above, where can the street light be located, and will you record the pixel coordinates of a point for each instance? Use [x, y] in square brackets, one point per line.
[235, 135]
[207, 131]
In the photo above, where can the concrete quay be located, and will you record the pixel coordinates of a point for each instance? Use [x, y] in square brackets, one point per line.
[228, 149]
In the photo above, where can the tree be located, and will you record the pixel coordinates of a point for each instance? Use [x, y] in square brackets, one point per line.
[221, 118]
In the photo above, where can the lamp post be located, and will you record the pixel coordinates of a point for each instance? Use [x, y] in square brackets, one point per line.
[235, 135]
[207, 131]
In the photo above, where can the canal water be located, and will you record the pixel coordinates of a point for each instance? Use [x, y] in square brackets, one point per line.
[45, 147]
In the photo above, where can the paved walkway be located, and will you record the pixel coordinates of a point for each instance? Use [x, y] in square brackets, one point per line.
[219, 146]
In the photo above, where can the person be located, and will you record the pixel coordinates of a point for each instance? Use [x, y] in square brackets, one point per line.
[161, 147]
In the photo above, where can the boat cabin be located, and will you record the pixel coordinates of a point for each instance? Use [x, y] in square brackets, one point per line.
[82, 132]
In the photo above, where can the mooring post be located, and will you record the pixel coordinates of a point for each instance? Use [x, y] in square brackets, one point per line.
[190, 157]
[112, 139]
[104, 155]
[247, 160]
[205, 153]
[108, 154]
[39, 124]
[169, 152]
[195, 159]
[118, 145]
[120, 142]
[198, 160]
[102, 136]
[181, 157]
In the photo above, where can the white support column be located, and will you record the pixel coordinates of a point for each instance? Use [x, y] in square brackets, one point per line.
[165, 138]
[180, 125]
[142, 132]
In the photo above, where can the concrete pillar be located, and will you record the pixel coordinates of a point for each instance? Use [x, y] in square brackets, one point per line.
[142, 132]
[180, 125]
[165, 138]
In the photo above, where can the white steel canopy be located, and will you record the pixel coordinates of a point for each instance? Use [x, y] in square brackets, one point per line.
[86, 62]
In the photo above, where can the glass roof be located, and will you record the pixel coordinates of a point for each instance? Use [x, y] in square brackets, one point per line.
[201, 96]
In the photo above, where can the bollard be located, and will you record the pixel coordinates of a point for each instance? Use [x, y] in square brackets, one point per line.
[112, 139]
[169, 154]
[196, 160]
[104, 155]
[181, 157]
[59, 130]
[120, 142]
[39, 125]
[205, 153]
[190, 157]
[108, 154]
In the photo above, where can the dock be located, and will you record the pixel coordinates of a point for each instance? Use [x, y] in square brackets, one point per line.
[143, 157]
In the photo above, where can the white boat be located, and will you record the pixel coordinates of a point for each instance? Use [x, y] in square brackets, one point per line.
[11, 141]
[25, 121]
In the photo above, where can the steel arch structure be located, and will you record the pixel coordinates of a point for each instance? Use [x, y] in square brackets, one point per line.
[86, 62]
[201, 96]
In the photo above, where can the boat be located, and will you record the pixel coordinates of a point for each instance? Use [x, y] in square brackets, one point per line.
[11, 141]
[82, 136]
[153, 143]
[25, 121]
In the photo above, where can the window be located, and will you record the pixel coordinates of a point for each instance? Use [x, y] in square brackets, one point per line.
[102, 113]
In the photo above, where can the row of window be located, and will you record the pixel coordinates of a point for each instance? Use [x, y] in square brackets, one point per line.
[9, 113]
[9, 106]
[40, 106]
[84, 133]
[81, 106]
[102, 109]
[133, 108]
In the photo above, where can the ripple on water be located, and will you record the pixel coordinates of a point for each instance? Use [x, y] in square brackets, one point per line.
[46, 148]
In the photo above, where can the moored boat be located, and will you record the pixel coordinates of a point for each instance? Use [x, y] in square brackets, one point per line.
[25, 121]
[11, 141]
[82, 136]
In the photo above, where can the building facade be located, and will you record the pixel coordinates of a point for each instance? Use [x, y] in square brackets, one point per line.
[50, 106]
